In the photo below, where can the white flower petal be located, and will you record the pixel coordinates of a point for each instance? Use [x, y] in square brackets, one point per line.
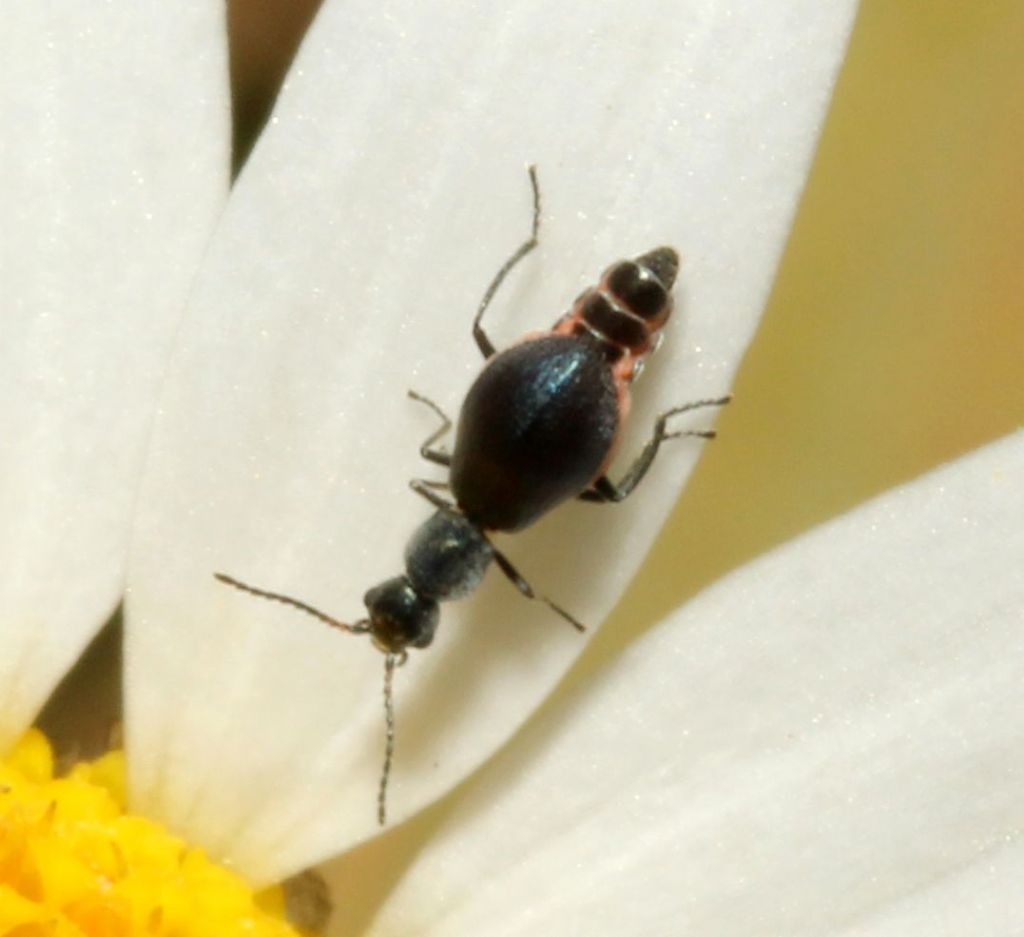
[386, 192]
[112, 172]
[828, 741]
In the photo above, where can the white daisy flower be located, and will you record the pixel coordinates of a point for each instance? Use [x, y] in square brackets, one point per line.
[345, 268]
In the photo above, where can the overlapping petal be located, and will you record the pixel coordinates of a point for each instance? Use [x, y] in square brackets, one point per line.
[825, 742]
[113, 170]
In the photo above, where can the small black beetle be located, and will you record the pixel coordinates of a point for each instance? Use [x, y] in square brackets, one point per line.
[539, 426]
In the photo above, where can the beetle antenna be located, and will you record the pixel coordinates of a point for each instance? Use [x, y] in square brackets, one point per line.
[360, 627]
[390, 662]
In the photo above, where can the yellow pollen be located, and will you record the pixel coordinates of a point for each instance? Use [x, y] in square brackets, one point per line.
[74, 864]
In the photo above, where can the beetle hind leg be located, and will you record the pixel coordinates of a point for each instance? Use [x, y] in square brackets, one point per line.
[604, 489]
[485, 345]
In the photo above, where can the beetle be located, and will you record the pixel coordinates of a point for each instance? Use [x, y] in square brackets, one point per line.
[540, 425]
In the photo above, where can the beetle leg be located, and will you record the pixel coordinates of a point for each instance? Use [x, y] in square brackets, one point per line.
[424, 488]
[427, 450]
[483, 342]
[526, 589]
[604, 489]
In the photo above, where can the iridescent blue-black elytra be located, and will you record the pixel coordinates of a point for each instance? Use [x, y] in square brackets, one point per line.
[534, 430]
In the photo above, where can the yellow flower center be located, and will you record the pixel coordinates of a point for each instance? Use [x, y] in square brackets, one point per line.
[72, 862]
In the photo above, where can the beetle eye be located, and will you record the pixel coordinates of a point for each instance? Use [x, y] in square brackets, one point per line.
[638, 289]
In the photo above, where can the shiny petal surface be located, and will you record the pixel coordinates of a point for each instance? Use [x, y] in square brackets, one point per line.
[384, 195]
[826, 742]
[112, 173]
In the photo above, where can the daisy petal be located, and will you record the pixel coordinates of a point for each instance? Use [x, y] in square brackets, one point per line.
[384, 195]
[825, 742]
[112, 172]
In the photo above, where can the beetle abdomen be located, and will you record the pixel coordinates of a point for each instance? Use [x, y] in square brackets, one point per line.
[535, 429]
